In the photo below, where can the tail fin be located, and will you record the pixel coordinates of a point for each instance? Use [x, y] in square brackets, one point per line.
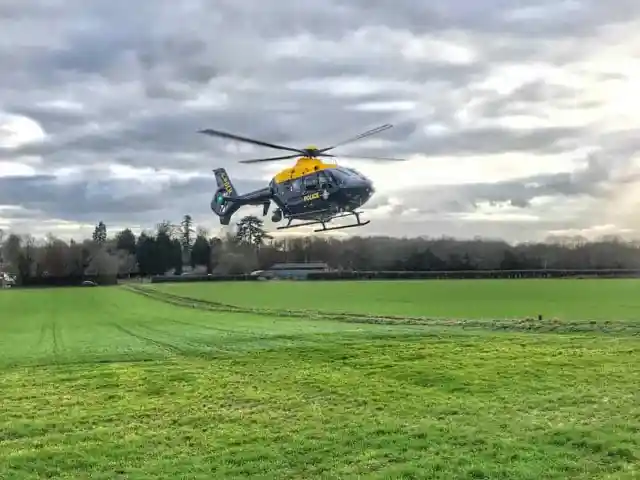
[222, 202]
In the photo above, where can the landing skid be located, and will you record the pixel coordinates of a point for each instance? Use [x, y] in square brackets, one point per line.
[324, 222]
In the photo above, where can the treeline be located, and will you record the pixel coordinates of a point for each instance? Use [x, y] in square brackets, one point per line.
[175, 249]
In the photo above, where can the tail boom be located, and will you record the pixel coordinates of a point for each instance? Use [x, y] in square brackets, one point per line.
[226, 201]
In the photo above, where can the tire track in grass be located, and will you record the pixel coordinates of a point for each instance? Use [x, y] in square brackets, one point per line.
[55, 340]
[169, 348]
[350, 317]
[172, 349]
[202, 325]
[241, 342]
[410, 327]
[233, 340]
[157, 297]
[197, 303]
[524, 325]
[72, 362]
[201, 304]
[42, 335]
[196, 347]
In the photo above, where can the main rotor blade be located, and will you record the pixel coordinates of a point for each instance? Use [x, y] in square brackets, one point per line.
[231, 136]
[384, 159]
[366, 134]
[270, 159]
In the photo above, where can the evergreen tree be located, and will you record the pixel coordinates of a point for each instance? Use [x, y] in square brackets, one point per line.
[249, 231]
[100, 233]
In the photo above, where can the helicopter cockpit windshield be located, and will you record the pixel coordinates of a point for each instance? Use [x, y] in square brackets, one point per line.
[355, 172]
[344, 173]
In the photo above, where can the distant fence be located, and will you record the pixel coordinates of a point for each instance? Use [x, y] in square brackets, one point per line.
[66, 281]
[343, 275]
[202, 278]
[473, 274]
[422, 275]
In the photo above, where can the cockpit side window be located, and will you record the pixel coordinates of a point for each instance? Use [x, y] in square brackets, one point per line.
[311, 181]
[325, 179]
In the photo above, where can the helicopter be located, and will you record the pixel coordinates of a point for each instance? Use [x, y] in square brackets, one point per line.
[312, 191]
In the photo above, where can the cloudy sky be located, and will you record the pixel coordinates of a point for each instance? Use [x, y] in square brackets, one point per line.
[518, 118]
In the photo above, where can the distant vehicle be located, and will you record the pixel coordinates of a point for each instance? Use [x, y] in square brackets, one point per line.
[7, 280]
[89, 283]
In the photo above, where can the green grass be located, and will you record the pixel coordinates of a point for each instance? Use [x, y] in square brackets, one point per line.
[106, 383]
[564, 299]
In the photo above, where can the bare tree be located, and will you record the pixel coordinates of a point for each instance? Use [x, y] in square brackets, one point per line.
[104, 266]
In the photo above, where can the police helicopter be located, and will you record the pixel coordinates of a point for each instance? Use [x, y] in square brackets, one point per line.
[312, 191]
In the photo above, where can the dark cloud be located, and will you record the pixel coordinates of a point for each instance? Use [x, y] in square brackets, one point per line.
[114, 84]
[85, 199]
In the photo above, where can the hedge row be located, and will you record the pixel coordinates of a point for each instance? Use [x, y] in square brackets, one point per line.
[201, 278]
[427, 275]
[473, 274]
[67, 281]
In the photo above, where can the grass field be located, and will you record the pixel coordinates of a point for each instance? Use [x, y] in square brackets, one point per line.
[564, 299]
[371, 380]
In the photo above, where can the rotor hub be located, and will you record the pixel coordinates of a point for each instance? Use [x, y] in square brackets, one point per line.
[311, 151]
